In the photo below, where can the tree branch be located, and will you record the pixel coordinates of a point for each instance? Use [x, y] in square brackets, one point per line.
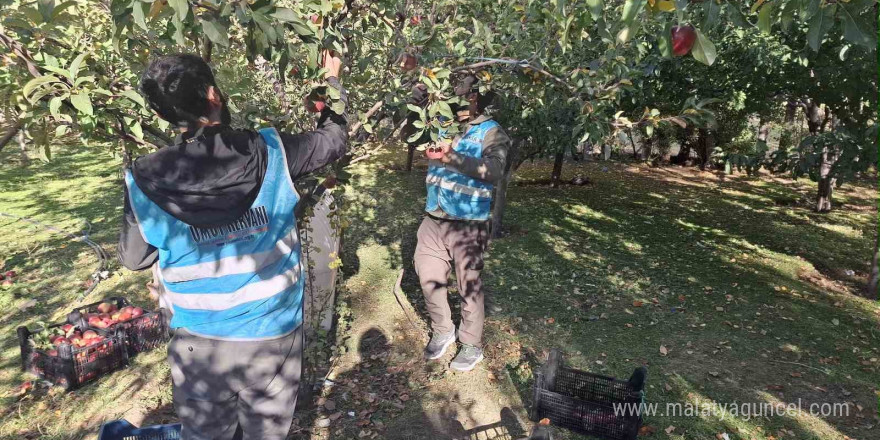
[11, 134]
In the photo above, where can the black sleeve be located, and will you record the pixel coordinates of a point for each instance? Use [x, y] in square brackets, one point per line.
[309, 151]
[133, 252]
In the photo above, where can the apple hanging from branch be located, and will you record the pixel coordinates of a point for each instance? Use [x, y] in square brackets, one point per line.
[683, 38]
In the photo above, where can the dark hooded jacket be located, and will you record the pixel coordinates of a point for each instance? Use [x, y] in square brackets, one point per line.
[211, 176]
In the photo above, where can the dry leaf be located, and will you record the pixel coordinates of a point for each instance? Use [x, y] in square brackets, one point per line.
[637, 303]
[670, 429]
[663, 350]
[551, 321]
[797, 374]
[668, 388]
[647, 430]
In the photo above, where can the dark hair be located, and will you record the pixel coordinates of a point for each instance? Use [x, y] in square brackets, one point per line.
[176, 87]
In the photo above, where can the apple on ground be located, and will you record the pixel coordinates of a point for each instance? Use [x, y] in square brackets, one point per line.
[7, 283]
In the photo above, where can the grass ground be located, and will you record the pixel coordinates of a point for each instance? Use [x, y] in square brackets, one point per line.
[728, 289]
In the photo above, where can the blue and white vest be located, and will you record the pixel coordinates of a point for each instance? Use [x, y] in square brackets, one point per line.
[460, 196]
[241, 281]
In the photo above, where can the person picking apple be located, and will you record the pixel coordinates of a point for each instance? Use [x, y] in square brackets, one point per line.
[215, 210]
[455, 232]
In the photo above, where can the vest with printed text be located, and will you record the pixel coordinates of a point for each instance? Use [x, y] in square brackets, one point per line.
[241, 281]
[460, 196]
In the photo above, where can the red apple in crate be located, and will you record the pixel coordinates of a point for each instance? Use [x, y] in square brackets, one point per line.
[124, 316]
[105, 307]
[90, 334]
[52, 352]
[61, 340]
[136, 311]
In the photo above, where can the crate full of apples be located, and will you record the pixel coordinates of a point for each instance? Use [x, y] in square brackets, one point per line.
[70, 355]
[142, 330]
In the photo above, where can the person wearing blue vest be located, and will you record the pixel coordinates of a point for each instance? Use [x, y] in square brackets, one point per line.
[215, 210]
[455, 228]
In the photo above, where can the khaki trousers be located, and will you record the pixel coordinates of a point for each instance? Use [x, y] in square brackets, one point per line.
[442, 243]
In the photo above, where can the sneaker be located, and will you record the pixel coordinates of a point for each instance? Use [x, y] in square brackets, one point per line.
[438, 345]
[468, 358]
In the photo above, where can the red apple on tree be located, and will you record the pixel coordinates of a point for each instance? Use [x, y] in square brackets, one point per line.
[408, 62]
[683, 38]
[415, 20]
[315, 18]
[10, 274]
[6, 283]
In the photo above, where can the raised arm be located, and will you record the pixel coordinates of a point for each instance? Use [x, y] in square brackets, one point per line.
[309, 151]
[490, 167]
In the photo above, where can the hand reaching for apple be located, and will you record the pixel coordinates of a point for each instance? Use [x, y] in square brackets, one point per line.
[331, 62]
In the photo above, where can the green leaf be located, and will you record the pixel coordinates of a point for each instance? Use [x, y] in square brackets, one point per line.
[138, 13]
[764, 17]
[137, 130]
[596, 7]
[368, 128]
[737, 16]
[628, 31]
[703, 50]
[215, 32]
[61, 130]
[75, 65]
[819, 25]
[82, 103]
[178, 36]
[787, 14]
[33, 15]
[84, 79]
[45, 152]
[664, 42]
[338, 107]
[713, 8]
[55, 107]
[855, 30]
[445, 109]
[134, 96]
[45, 7]
[631, 10]
[61, 7]
[415, 136]
[418, 124]
[63, 72]
[181, 7]
[414, 108]
[37, 83]
[285, 14]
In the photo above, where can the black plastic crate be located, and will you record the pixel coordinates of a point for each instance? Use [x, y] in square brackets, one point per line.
[70, 366]
[143, 333]
[123, 430]
[585, 402]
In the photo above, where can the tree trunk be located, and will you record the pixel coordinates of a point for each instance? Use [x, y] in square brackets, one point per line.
[10, 134]
[501, 192]
[633, 142]
[705, 145]
[874, 276]
[763, 131]
[557, 170]
[22, 145]
[410, 156]
[684, 149]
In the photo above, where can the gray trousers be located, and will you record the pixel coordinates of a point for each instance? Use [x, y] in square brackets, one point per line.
[223, 386]
[442, 243]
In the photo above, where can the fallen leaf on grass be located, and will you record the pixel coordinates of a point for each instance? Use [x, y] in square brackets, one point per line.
[663, 350]
[628, 311]
[775, 387]
[722, 436]
[637, 303]
[667, 387]
[647, 430]
[714, 373]
[551, 320]
[797, 374]
[719, 309]
[670, 429]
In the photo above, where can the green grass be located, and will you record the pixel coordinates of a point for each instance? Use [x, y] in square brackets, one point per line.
[744, 292]
[741, 283]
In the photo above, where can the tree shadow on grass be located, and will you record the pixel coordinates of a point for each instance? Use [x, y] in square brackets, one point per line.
[634, 238]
